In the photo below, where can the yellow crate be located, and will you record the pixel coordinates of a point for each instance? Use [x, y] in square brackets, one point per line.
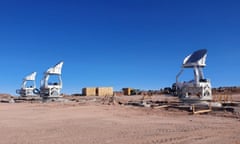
[89, 91]
[104, 91]
[127, 91]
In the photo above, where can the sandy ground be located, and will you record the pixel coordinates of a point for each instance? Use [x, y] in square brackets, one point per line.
[73, 123]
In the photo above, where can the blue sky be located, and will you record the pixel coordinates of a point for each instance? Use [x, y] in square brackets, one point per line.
[121, 43]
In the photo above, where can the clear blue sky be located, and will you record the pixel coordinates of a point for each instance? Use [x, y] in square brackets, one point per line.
[119, 43]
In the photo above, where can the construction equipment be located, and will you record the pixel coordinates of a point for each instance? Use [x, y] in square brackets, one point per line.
[199, 88]
[52, 89]
[28, 86]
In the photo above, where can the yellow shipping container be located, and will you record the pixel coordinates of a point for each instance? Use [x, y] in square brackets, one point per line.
[89, 91]
[127, 91]
[104, 91]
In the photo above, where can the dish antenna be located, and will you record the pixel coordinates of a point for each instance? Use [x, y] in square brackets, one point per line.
[28, 85]
[199, 88]
[52, 89]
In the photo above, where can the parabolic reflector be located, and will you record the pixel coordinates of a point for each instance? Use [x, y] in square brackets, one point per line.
[31, 77]
[57, 69]
[198, 58]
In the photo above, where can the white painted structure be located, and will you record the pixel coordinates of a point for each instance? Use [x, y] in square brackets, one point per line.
[28, 85]
[199, 88]
[52, 89]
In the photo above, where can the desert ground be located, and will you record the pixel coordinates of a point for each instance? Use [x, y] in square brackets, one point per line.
[89, 121]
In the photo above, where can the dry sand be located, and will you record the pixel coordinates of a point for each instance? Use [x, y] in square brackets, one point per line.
[74, 123]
